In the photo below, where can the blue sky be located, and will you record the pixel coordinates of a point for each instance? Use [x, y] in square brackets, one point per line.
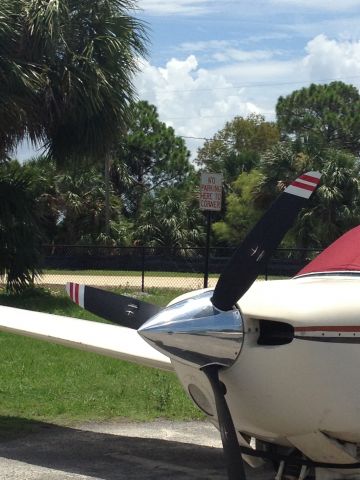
[210, 60]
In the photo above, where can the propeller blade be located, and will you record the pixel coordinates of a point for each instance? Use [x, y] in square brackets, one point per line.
[231, 447]
[248, 260]
[120, 309]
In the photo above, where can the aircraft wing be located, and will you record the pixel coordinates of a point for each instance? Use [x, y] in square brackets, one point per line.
[109, 340]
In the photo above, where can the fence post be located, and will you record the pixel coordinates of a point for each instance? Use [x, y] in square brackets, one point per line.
[143, 269]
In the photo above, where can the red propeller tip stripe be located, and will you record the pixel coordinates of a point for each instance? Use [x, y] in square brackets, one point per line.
[76, 293]
[304, 185]
[310, 178]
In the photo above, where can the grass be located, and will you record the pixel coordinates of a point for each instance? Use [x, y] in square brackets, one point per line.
[47, 382]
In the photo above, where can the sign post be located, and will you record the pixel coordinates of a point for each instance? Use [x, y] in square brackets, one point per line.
[209, 201]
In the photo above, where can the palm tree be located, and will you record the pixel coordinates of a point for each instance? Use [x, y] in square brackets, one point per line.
[66, 70]
[20, 81]
[279, 166]
[336, 207]
[80, 199]
[169, 220]
[19, 235]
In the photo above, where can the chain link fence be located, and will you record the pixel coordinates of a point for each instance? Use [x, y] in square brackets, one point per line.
[143, 268]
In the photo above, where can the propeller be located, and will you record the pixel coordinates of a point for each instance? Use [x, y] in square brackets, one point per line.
[206, 330]
[120, 309]
[232, 452]
[257, 247]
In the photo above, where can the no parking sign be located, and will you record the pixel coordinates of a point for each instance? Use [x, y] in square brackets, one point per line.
[210, 191]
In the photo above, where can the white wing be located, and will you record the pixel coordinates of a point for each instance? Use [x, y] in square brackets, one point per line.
[109, 340]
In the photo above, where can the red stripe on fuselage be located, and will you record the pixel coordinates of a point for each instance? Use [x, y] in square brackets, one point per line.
[305, 186]
[329, 328]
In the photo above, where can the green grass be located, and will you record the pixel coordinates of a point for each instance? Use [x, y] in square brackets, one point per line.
[42, 381]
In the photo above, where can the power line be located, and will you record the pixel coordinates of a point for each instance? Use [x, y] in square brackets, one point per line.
[212, 116]
[193, 138]
[259, 85]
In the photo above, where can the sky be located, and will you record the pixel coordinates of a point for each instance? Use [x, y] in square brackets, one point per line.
[212, 60]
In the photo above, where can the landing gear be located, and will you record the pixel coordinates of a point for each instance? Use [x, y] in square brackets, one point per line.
[289, 471]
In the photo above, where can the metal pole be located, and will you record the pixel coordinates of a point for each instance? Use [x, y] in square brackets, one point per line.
[143, 269]
[107, 194]
[207, 249]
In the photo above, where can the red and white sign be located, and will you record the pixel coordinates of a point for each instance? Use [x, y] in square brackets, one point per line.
[211, 191]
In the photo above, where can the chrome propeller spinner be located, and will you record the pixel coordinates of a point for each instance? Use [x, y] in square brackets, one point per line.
[197, 333]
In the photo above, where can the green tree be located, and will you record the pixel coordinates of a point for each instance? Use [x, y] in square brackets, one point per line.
[242, 211]
[19, 235]
[238, 146]
[322, 116]
[43, 186]
[66, 71]
[336, 207]
[149, 156]
[279, 166]
[170, 219]
[81, 204]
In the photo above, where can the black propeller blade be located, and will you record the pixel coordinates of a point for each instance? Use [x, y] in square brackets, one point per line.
[120, 309]
[231, 447]
[248, 260]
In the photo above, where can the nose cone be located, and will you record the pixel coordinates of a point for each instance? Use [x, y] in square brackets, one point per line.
[193, 331]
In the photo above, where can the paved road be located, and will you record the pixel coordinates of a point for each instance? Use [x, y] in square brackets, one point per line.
[117, 451]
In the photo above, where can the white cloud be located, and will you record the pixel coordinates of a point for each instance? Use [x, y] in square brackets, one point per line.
[237, 55]
[197, 101]
[321, 5]
[205, 45]
[226, 51]
[170, 7]
[330, 59]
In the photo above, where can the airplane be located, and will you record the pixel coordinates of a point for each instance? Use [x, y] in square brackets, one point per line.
[272, 364]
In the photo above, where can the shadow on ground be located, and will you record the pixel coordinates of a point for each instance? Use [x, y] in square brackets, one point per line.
[104, 456]
[44, 451]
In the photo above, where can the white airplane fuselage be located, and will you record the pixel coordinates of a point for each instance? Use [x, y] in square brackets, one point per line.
[304, 393]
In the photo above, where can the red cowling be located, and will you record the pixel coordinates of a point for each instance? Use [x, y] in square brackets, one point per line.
[342, 255]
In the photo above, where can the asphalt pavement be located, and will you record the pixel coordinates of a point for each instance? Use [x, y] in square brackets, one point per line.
[117, 451]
